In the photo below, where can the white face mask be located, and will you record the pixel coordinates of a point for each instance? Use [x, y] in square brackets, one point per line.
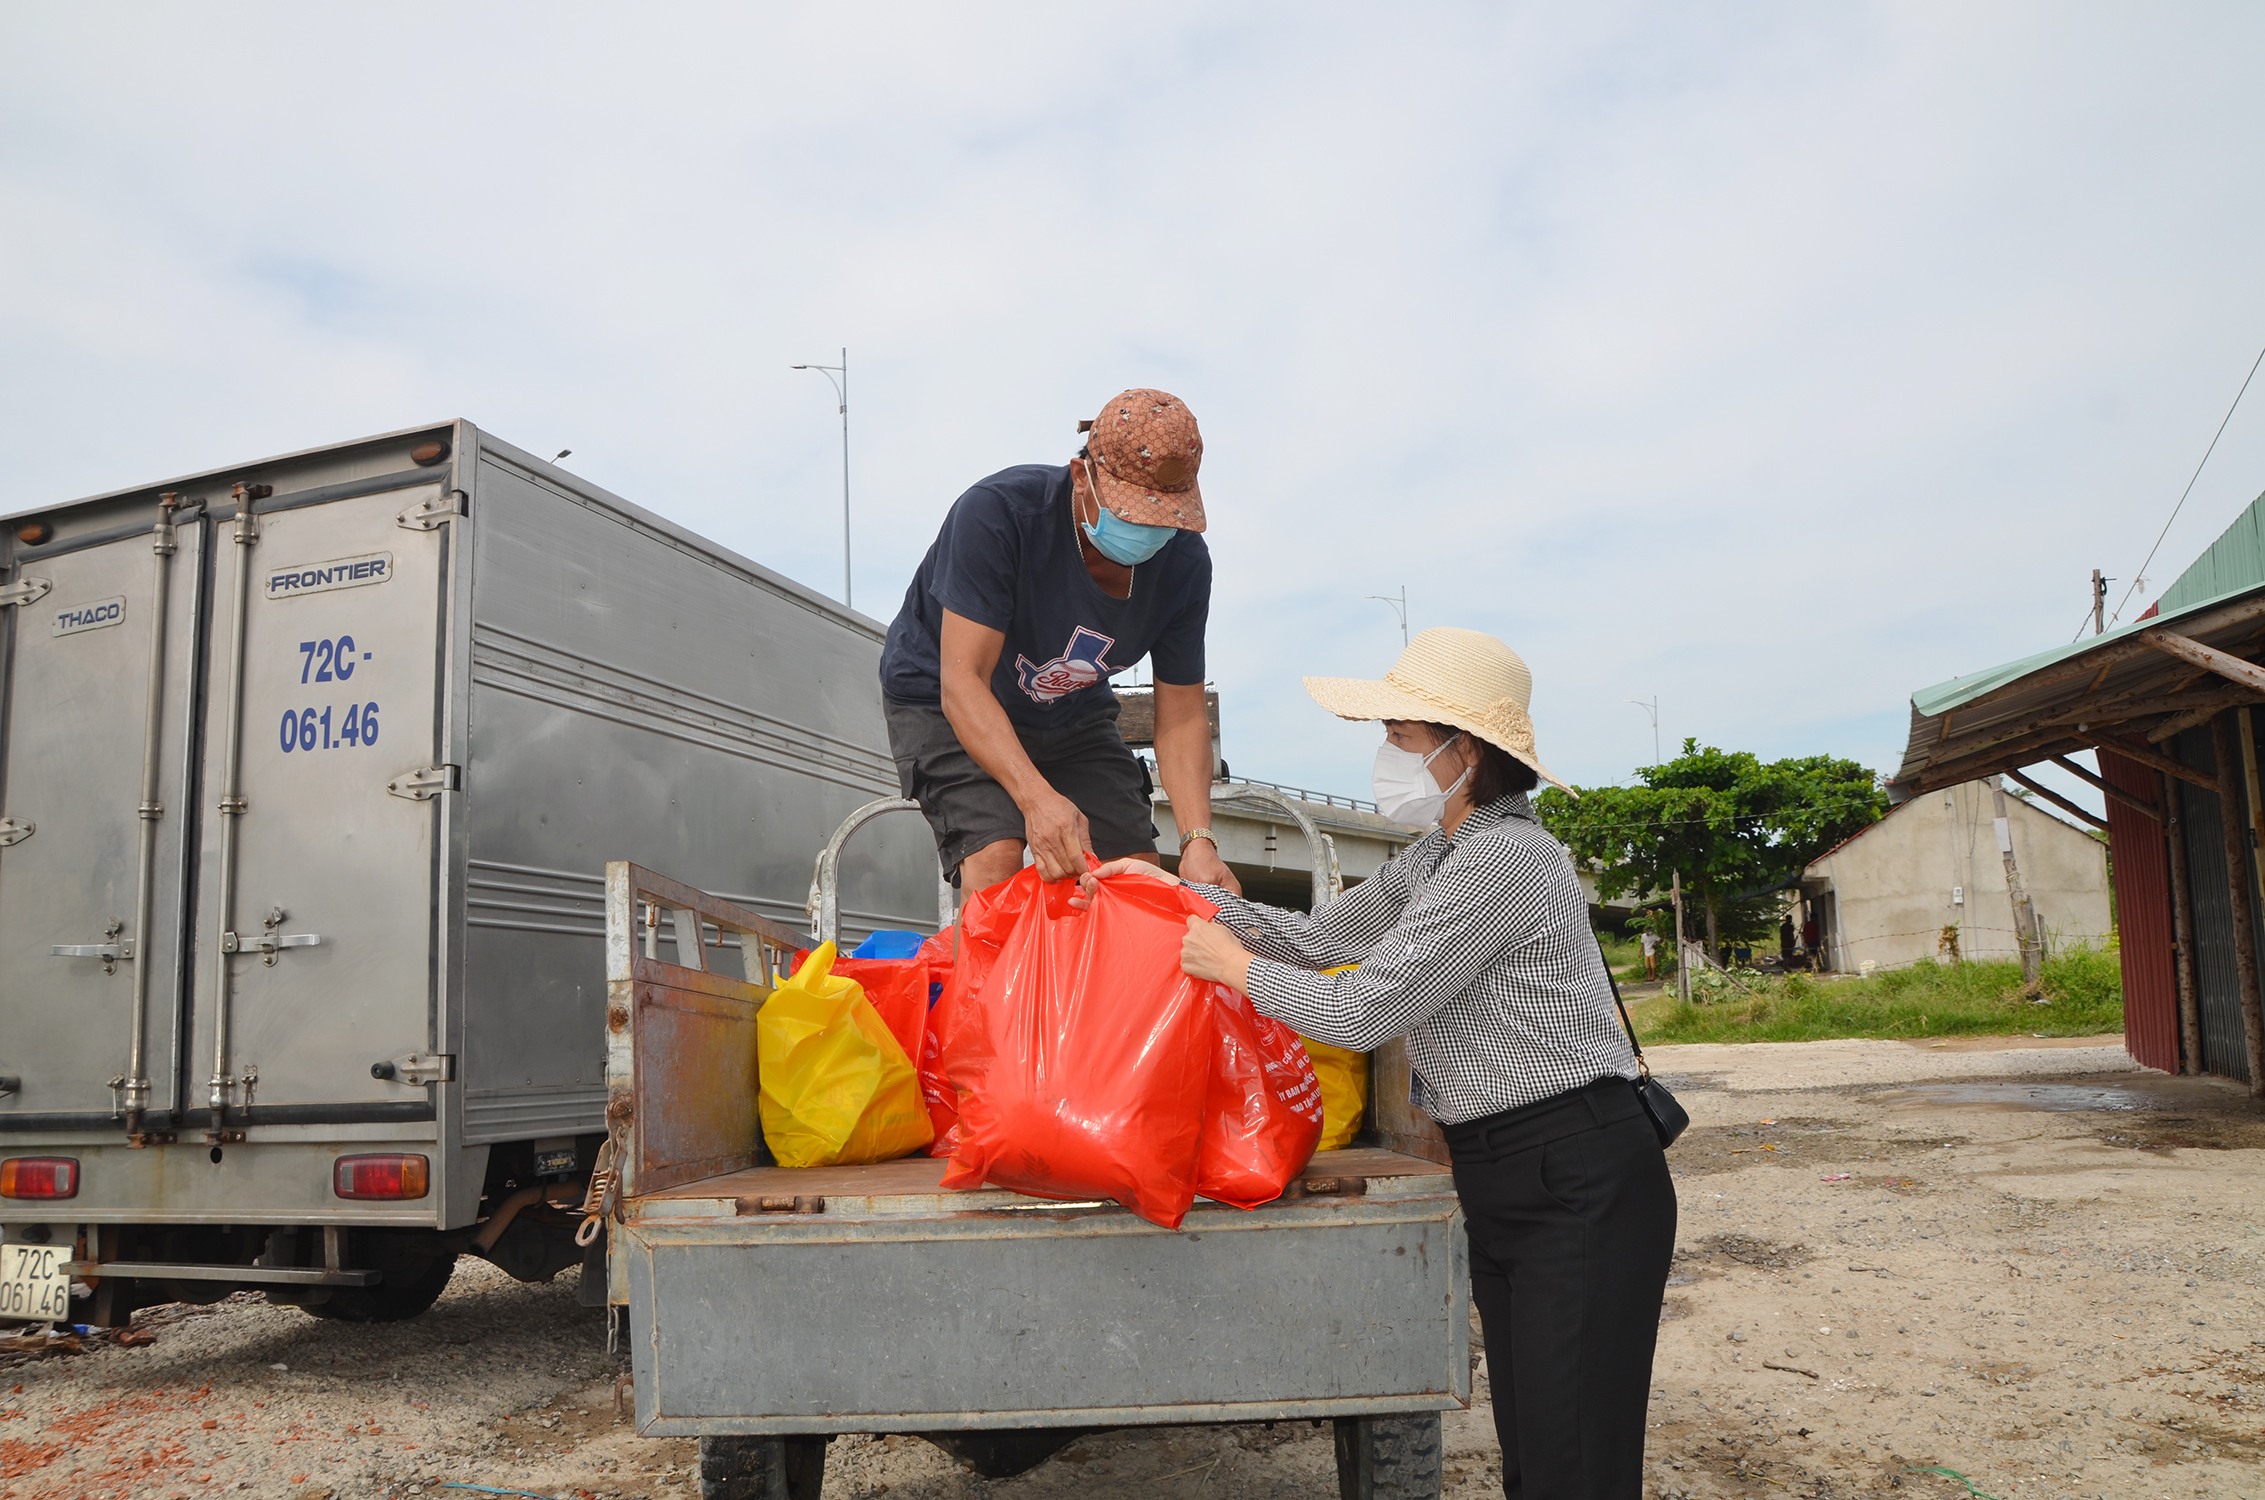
[1405, 789]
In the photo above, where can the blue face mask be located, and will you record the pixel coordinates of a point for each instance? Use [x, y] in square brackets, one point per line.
[1121, 541]
[1126, 542]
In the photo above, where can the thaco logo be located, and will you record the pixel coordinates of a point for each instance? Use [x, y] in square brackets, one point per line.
[338, 573]
[73, 618]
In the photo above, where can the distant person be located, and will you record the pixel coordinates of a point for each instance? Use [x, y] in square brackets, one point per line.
[1650, 942]
[1045, 580]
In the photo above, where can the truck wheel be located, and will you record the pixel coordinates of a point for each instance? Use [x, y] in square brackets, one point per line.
[762, 1468]
[1388, 1458]
[403, 1294]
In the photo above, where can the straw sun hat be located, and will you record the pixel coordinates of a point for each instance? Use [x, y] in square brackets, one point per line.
[1466, 678]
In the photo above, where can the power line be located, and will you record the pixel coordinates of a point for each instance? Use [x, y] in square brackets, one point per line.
[2166, 531]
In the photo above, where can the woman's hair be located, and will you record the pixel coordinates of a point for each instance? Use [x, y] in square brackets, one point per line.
[1498, 773]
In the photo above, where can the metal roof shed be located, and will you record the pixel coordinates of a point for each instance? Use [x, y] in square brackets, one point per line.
[2166, 704]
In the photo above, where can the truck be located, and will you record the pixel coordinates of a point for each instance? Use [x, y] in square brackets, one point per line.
[309, 770]
[769, 1309]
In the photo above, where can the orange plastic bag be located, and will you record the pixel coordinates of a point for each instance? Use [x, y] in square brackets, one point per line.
[1263, 1113]
[834, 1086]
[1081, 1054]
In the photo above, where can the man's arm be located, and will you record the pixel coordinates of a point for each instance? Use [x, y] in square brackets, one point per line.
[1055, 830]
[1183, 761]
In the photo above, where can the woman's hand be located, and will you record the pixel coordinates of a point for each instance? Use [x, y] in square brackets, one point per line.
[1091, 880]
[1211, 952]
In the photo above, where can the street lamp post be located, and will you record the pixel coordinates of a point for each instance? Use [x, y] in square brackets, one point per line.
[1399, 606]
[841, 393]
[1651, 708]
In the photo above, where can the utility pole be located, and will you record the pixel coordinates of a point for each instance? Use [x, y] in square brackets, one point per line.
[1682, 959]
[2024, 914]
[1399, 607]
[2100, 603]
[1651, 708]
[841, 394]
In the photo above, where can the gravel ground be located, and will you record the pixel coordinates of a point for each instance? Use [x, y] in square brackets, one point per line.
[2030, 1264]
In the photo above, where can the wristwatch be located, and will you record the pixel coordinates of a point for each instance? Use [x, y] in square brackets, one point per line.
[1198, 833]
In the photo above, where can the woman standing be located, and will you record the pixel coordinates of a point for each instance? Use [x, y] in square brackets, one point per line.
[1474, 944]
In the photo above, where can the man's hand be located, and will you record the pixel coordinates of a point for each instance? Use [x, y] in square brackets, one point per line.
[1058, 835]
[1211, 952]
[1090, 881]
[1200, 861]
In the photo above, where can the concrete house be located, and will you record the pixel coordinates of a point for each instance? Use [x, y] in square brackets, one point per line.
[1892, 894]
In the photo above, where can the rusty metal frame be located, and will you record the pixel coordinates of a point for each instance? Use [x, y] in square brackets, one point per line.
[681, 1033]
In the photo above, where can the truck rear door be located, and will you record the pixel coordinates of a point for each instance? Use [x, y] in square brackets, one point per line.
[333, 920]
[71, 788]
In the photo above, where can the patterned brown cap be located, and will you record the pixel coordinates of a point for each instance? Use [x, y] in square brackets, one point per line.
[1146, 451]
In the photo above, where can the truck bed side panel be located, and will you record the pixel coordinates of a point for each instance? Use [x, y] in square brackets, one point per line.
[1036, 1319]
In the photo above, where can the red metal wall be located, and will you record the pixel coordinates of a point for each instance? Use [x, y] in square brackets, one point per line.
[2143, 917]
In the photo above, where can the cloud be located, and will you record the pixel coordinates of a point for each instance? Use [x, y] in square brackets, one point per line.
[1776, 360]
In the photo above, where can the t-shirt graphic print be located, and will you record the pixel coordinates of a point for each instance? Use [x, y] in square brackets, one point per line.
[1080, 665]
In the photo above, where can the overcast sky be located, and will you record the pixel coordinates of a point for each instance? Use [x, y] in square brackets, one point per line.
[1773, 359]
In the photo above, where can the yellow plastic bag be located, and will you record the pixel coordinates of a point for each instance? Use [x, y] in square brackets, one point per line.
[836, 1087]
[1344, 1086]
[1344, 1092]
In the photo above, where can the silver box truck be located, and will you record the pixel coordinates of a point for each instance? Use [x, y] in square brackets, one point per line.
[309, 768]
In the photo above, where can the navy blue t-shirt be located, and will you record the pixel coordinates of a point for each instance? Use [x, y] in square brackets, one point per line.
[1008, 558]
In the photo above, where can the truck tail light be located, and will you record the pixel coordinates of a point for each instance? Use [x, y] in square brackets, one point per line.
[39, 1177]
[379, 1177]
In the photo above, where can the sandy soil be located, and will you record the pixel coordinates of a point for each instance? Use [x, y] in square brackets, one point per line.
[2033, 1265]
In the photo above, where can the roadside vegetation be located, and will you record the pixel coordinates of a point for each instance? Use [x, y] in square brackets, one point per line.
[2082, 995]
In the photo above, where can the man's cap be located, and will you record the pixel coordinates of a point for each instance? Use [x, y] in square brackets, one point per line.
[1146, 450]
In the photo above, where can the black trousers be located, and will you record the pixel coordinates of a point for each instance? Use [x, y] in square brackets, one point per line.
[1572, 1222]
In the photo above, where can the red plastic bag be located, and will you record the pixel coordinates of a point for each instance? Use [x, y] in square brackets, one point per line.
[1081, 1053]
[942, 953]
[1262, 1116]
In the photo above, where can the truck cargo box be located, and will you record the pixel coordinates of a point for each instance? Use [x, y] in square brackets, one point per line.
[309, 768]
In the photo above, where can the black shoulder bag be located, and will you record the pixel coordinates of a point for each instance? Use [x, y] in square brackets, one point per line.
[1669, 1118]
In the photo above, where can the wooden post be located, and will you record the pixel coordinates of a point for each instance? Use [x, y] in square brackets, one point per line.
[2252, 1023]
[1682, 959]
[2182, 930]
[2224, 741]
[2024, 914]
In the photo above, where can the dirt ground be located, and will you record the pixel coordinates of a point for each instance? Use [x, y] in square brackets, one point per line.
[2030, 1264]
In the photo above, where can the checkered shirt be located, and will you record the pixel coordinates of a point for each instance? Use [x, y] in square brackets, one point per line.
[1476, 948]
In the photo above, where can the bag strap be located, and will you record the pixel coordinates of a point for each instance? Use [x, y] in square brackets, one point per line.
[1642, 1067]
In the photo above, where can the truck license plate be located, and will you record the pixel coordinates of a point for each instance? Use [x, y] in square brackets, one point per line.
[33, 1283]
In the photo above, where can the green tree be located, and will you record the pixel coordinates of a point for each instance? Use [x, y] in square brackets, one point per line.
[1737, 827]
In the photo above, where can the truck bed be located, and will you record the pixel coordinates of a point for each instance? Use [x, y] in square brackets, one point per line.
[780, 1301]
[773, 1302]
[912, 1184]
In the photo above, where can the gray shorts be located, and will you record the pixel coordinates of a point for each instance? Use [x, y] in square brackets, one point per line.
[1088, 763]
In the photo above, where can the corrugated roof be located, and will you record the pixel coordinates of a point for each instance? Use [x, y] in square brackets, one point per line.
[2235, 561]
[2117, 689]
[2230, 568]
[2104, 688]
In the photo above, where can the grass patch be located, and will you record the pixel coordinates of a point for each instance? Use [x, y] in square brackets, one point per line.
[2082, 994]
